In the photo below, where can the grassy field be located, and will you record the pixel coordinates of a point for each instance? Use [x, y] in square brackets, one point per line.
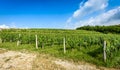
[81, 45]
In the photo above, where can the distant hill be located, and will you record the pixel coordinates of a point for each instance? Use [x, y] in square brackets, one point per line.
[103, 29]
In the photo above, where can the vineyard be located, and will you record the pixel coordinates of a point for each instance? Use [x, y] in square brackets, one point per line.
[80, 45]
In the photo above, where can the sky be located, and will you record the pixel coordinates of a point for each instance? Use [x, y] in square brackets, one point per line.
[59, 14]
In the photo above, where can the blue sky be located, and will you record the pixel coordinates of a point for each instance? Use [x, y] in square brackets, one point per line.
[67, 14]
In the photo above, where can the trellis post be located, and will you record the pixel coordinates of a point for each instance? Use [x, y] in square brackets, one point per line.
[36, 42]
[0, 40]
[18, 42]
[104, 51]
[64, 45]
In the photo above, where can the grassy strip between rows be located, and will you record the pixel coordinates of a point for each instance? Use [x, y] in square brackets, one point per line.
[91, 54]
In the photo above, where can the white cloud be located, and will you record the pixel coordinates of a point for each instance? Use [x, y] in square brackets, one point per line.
[108, 17]
[86, 14]
[69, 20]
[85, 10]
[111, 17]
[11, 25]
[4, 26]
[89, 7]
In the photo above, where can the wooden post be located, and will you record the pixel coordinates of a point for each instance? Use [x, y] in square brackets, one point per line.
[0, 40]
[104, 51]
[64, 45]
[18, 42]
[36, 42]
[42, 44]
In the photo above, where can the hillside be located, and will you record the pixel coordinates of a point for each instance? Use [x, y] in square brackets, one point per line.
[71, 45]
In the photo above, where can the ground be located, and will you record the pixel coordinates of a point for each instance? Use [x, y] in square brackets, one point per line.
[14, 60]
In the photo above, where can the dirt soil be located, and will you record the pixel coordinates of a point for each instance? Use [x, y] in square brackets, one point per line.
[11, 60]
[14, 60]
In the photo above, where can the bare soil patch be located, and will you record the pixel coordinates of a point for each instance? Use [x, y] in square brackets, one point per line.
[12, 60]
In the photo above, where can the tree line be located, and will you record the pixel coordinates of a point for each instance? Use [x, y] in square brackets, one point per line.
[103, 29]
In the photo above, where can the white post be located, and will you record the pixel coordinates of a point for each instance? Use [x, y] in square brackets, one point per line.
[18, 42]
[42, 44]
[64, 45]
[0, 40]
[36, 42]
[104, 51]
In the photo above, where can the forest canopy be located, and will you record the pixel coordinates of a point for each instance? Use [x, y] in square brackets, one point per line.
[103, 29]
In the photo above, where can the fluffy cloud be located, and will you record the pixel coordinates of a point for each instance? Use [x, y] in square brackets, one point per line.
[4, 26]
[111, 17]
[86, 14]
[90, 6]
[11, 25]
[108, 17]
